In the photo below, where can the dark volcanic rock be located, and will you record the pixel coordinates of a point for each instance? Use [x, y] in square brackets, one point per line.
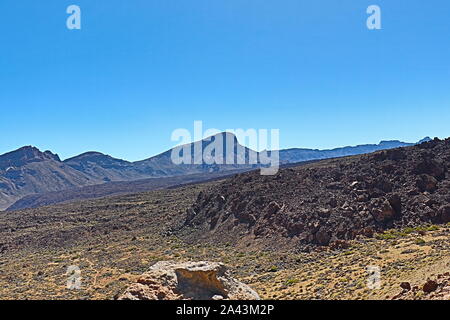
[437, 289]
[426, 182]
[430, 286]
[405, 286]
[444, 213]
[332, 200]
[382, 211]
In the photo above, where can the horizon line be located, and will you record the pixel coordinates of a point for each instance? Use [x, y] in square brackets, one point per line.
[208, 137]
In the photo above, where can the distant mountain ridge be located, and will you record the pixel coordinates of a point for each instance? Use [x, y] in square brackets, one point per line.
[297, 155]
[29, 171]
[103, 167]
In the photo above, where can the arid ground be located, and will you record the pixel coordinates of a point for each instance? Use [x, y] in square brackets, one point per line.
[312, 231]
[114, 240]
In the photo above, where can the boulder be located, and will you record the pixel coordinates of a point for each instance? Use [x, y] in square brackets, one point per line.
[430, 167]
[405, 286]
[444, 213]
[430, 286]
[322, 237]
[168, 280]
[383, 212]
[396, 202]
[383, 184]
[426, 182]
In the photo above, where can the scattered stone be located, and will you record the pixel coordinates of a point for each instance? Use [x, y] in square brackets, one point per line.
[430, 286]
[405, 286]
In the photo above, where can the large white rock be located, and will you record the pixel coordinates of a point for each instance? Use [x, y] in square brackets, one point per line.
[168, 280]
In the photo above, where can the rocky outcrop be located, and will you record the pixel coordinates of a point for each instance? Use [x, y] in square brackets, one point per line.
[329, 201]
[203, 280]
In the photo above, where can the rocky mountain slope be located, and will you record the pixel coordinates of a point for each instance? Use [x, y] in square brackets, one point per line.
[28, 171]
[115, 240]
[103, 167]
[114, 188]
[331, 201]
[107, 168]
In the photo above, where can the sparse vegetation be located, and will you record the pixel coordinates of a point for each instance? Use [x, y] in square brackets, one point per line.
[419, 241]
[113, 242]
[401, 233]
[292, 282]
[273, 269]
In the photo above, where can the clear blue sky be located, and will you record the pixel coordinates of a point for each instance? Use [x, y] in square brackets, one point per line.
[139, 69]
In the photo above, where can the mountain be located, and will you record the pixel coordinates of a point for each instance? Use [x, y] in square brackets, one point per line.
[162, 164]
[28, 171]
[103, 167]
[107, 168]
[299, 155]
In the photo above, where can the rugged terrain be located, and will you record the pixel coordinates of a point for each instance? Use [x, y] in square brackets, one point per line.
[328, 202]
[115, 240]
[113, 188]
[30, 172]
